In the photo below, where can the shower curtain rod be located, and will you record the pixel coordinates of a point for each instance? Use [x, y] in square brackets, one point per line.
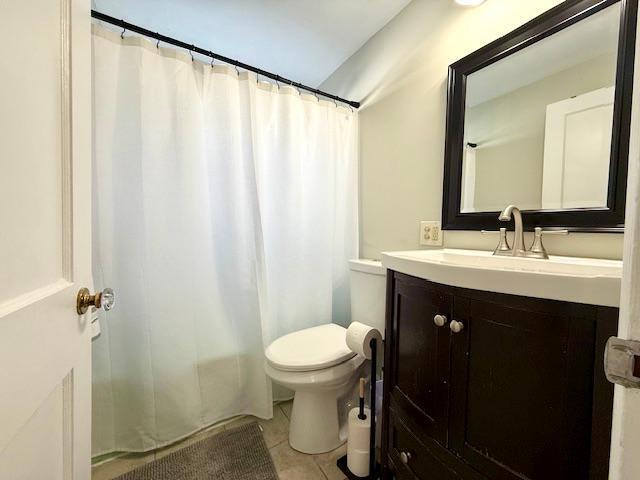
[192, 48]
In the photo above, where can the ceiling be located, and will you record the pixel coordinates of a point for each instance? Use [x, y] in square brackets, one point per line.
[304, 40]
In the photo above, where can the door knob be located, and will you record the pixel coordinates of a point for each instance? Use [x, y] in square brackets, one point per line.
[456, 327]
[405, 457]
[104, 299]
[440, 320]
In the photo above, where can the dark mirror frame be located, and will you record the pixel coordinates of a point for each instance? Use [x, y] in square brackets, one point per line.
[605, 219]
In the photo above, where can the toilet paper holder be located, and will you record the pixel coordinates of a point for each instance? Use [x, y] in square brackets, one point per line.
[374, 469]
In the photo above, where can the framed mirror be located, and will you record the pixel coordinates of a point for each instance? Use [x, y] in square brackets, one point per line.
[540, 119]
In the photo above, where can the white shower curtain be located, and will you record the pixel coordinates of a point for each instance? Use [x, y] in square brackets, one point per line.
[225, 211]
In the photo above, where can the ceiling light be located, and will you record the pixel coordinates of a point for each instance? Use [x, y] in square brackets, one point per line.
[469, 3]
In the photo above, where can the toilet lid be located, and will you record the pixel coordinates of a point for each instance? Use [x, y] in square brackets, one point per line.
[310, 349]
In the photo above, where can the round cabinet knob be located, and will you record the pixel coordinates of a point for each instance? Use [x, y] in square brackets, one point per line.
[405, 457]
[456, 327]
[440, 320]
[104, 299]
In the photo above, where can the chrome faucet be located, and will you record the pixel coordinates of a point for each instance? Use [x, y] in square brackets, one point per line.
[518, 249]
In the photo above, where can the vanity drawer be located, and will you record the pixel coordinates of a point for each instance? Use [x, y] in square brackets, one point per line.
[398, 471]
[413, 459]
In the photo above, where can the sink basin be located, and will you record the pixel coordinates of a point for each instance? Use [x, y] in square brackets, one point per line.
[581, 280]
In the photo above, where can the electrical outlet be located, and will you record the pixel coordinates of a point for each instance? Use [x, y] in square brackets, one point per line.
[431, 234]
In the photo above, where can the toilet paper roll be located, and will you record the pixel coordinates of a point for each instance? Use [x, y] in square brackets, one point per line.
[358, 443]
[359, 337]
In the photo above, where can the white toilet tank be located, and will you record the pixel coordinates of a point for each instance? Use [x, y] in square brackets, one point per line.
[368, 293]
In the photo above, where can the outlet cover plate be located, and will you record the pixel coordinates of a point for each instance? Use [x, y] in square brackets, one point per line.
[431, 234]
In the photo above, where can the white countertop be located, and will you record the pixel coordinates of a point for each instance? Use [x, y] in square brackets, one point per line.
[581, 280]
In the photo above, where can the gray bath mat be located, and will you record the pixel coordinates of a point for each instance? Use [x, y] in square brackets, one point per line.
[237, 454]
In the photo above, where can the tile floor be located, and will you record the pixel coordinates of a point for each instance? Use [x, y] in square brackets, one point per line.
[291, 465]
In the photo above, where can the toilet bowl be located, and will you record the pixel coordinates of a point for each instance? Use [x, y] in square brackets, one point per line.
[317, 364]
[319, 367]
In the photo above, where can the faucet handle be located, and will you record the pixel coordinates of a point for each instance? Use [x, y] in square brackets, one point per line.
[537, 248]
[503, 247]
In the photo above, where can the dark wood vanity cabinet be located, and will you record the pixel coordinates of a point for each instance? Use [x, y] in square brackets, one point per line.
[519, 393]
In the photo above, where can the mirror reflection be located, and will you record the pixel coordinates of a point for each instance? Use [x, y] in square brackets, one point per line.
[540, 121]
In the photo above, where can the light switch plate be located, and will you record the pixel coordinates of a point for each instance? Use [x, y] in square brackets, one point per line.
[431, 234]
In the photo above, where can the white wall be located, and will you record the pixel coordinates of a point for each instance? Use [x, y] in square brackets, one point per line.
[401, 74]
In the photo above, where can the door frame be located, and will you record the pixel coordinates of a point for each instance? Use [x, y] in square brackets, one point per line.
[625, 435]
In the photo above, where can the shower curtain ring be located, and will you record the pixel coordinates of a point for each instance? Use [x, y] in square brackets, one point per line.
[237, 71]
[191, 52]
[157, 41]
[317, 97]
[123, 30]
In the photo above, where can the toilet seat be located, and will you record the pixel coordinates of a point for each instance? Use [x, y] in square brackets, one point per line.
[310, 349]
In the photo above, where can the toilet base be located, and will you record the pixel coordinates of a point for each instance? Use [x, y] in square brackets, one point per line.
[320, 398]
[314, 427]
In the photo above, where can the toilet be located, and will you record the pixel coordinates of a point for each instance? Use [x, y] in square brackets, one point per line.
[322, 371]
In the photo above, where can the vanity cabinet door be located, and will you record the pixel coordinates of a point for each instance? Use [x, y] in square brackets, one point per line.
[522, 387]
[417, 368]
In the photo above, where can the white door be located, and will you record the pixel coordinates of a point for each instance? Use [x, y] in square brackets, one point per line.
[577, 151]
[45, 185]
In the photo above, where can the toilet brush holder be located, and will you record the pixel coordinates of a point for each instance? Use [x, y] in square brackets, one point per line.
[373, 465]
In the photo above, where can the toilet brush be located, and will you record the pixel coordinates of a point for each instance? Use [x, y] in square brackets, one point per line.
[361, 414]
